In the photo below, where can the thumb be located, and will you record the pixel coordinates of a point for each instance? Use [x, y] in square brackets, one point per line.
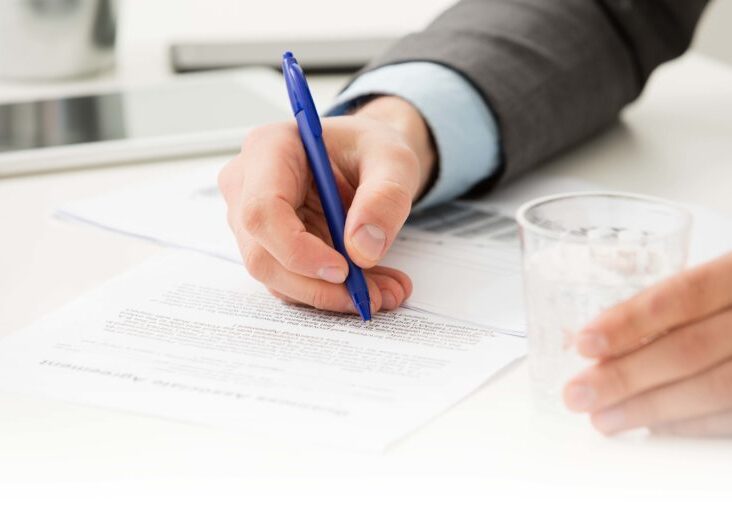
[388, 183]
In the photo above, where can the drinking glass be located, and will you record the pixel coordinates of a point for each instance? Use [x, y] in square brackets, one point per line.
[583, 253]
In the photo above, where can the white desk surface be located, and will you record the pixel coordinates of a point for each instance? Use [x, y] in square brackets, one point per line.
[675, 142]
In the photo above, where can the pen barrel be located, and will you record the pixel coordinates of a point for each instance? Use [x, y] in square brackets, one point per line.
[331, 202]
[326, 185]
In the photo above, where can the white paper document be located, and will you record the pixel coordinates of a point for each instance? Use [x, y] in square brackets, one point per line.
[463, 256]
[193, 338]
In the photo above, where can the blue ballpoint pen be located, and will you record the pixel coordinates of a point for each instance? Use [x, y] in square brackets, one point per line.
[311, 132]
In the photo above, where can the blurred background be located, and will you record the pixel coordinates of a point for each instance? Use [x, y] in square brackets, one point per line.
[235, 19]
[147, 29]
[151, 26]
[715, 37]
[55, 48]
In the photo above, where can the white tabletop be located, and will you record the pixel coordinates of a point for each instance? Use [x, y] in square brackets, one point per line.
[675, 142]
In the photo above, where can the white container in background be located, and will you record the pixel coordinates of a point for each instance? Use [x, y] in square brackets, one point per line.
[56, 39]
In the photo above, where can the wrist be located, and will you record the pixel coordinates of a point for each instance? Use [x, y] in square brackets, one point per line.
[403, 117]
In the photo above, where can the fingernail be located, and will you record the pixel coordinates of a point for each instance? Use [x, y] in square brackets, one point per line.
[580, 397]
[591, 344]
[332, 274]
[369, 240]
[388, 300]
[610, 420]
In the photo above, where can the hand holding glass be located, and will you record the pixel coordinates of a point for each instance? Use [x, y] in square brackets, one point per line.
[583, 253]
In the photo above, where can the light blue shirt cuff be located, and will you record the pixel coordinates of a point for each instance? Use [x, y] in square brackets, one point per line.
[463, 127]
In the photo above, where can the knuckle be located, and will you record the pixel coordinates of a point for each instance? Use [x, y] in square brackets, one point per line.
[402, 155]
[294, 258]
[690, 292]
[256, 261]
[631, 319]
[692, 345]
[623, 319]
[255, 137]
[657, 302]
[397, 197]
[253, 215]
[266, 135]
[619, 378]
[319, 298]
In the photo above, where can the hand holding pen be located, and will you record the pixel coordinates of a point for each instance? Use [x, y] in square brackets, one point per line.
[381, 158]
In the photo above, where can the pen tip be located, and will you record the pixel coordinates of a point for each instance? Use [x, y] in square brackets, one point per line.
[287, 55]
[364, 309]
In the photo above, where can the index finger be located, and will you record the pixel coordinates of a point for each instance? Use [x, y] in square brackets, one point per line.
[684, 298]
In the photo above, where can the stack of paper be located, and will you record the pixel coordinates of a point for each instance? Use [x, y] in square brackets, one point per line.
[193, 338]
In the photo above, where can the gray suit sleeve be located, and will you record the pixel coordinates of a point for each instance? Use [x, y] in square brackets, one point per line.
[554, 72]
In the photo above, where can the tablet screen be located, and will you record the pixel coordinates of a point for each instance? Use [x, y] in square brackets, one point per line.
[169, 110]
